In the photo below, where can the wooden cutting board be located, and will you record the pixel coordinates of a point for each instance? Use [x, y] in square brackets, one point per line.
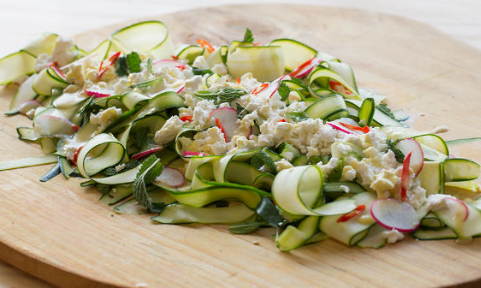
[58, 231]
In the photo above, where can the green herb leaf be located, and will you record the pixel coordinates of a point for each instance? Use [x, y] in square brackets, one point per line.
[150, 66]
[386, 110]
[268, 212]
[241, 111]
[248, 38]
[149, 170]
[297, 116]
[244, 228]
[221, 95]
[134, 61]
[391, 145]
[121, 67]
[283, 90]
[146, 83]
[111, 171]
[198, 71]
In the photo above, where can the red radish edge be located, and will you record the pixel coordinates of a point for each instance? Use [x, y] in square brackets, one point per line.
[192, 153]
[459, 202]
[405, 176]
[305, 68]
[338, 128]
[417, 159]
[74, 127]
[145, 153]
[180, 90]
[171, 177]
[58, 72]
[95, 94]
[33, 104]
[401, 213]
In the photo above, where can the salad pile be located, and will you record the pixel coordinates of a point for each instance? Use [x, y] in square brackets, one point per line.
[244, 134]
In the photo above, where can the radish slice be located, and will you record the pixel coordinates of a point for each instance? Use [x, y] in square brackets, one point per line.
[146, 153]
[96, 94]
[192, 153]
[417, 158]
[395, 214]
[228, 120]
[270, 90]
[54, 125]
[305, 68]
[168, 63]
[458, 208]
[28, 105]
[338, 128]
[180, 90]
[283, 77]
[405, 176]
[171, 177]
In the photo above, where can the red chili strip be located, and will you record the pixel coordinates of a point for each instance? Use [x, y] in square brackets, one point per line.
[186, 118]
[219, 124]
[364, 129]
[405, 176]
[205, 44]
[300, 68]
[259, 89]
[346, 217]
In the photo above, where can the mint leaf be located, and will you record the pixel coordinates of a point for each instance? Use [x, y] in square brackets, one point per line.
[297, 116]
[221, 95]
[391, 145]
[386, 110]
[149, 170]
[134, 61]
[248, 38]
[199, 71]
[283, 90]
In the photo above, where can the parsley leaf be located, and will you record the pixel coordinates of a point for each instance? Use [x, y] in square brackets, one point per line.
[221, 95]
[297, 116]
[199, 71]
[241, 111]
[391, 145]
[386, 110]
[248, 38]
[283, 90]
[149, 170]
[134, 61]
[121, 67]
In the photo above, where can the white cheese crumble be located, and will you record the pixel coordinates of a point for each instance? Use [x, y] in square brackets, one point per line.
[392, 236]
[105, 117]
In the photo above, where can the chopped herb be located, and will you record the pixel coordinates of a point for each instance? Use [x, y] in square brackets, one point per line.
[121, 67]
[268, 212]
[391, 145]
[248, 38]
[283, 90]
[111, 171]
[221, 95]
[386, 110]
[128, 64]
[134, 61]
[244, 228]
[149, 170]
[241, 111]
[198, 71]
[150, 66]
[297, 116]
[146, 83]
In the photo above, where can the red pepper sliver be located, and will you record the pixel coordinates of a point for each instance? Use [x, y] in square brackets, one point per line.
[206, 44]
[300, 68]
[346, 217]
[405, 176]
[219, 124]
[75, 156]
[364, 129]
[186, 118]
[282, 120]
[174, 57]
[237, 80]
[180, 67]
[259, 89]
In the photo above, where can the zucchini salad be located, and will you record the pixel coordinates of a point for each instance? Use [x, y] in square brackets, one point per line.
[246, 134]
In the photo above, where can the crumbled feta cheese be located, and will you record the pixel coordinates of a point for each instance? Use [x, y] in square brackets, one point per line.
[169, 131]
[348, 173]
[345, 188]
[105, 117]
[392, 236]
[220, 69]
[120, 167]
[200, 62]
[437, 202]
[283, 164]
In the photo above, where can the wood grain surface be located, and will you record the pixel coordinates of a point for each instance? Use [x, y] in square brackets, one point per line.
[59, 232]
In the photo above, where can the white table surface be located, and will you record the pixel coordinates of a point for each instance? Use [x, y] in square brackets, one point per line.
[21, 19]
